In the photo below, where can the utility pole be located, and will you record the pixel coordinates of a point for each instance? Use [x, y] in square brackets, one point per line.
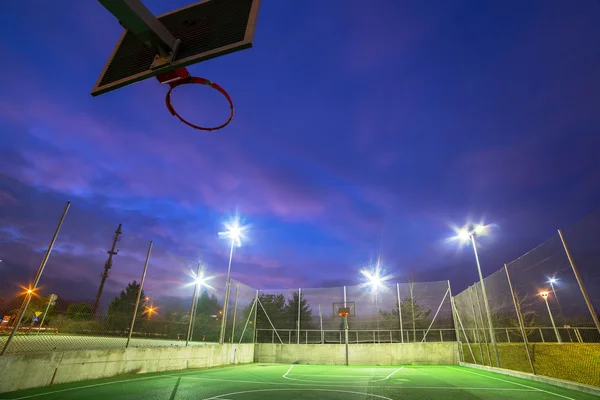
[107, 266]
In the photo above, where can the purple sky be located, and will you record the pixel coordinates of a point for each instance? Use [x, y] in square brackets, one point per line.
[358, 131]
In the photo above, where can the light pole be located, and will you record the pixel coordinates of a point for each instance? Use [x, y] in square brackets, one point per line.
[552, 281]
[469, 235]
[545, 297]
[234, 232]
[51, 301]
[375, 281]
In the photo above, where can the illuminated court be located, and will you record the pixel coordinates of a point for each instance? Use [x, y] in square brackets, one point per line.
[279, 381]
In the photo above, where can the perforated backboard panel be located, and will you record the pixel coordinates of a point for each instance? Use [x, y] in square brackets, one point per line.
[207, 29]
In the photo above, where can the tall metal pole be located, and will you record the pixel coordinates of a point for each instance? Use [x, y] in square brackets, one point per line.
[107, 267]
[188, 337]
[560, 310]
[399, 312]
[377, 317]
[321, 319]
[255, 313]
[51, 301]
[139, 294]
[36, 280]
[545, 297]
[580, 282]
[486, 303]
[412, 310]
[226, 301]
[454, 316]
[237, 290]
[299, 311]
[520, 318]
[346, 328]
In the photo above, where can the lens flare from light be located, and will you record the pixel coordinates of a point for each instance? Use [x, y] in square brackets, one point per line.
[375, 279]
[479, 229]
[234, 231]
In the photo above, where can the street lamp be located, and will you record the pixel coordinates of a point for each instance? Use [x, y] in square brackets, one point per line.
[235, 232]
[552, 281]
[545, 297]
[465, 234]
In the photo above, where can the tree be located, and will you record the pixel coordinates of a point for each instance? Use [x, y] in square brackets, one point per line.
[207, 305]
[207, 320]
[36, 304]
[510, 320]
[79, 312]
[120, 309]
[293, 308]
[271, 310]
[414, 316]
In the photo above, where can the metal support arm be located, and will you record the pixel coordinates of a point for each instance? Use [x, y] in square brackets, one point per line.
[139, 20]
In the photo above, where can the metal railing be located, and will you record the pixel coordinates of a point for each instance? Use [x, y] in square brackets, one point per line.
[336, 336]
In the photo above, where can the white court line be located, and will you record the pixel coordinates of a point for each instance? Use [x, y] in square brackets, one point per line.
[358, 386]
[390, 375]
[305, 390]
[514, 383]
[335, 376]
[288, 371]
[91, 386]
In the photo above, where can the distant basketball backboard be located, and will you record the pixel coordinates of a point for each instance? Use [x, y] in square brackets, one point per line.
[152, 46]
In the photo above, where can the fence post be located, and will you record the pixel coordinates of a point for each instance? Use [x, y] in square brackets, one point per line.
[346, 328]
[321, 320]
[455, 311]
[399, 311]
[579, 281]
[137, 300]
[412, 307]
[237, 289]
[453, 315]
[477, 328]
[38, 275]
[255, 313]
[520, 318]
[299, 311]
[193, 309]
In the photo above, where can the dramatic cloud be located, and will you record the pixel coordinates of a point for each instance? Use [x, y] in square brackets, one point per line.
[359, 131]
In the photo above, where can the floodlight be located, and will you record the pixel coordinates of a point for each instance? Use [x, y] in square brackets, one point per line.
[464, 234]
[544, 295]
[479, 229]
[234, 231]
[552, 280]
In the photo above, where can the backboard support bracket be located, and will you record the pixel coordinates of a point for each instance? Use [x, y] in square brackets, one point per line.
[134, 16]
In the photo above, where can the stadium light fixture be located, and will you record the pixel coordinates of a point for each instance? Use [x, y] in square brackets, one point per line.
[468, 234]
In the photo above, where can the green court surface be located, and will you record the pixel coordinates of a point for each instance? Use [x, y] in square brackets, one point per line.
[278, 381]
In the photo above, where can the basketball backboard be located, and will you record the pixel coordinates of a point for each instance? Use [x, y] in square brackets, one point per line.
[344, 309]
[152, 46]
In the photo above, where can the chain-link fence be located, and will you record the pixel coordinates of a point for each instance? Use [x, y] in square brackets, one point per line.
[543, 319]
[395, 313]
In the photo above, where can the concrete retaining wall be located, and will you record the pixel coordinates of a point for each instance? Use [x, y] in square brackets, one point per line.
[359, 354]
[24, 371]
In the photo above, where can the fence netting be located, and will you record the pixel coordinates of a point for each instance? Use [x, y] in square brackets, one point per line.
[394, 313]
[539, 321]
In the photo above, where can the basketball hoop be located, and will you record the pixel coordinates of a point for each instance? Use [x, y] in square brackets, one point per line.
[343, 311]
[180, 77]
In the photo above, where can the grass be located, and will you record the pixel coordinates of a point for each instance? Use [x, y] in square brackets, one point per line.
[276, 381]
